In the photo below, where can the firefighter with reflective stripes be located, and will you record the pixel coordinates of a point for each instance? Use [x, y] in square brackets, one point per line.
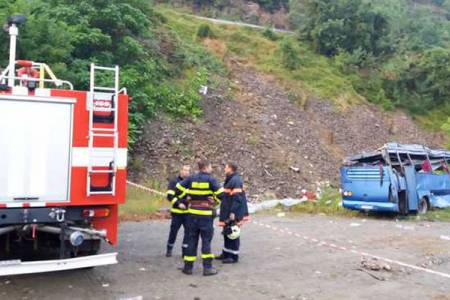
[203, 194]
[233, 212]
[178, 212]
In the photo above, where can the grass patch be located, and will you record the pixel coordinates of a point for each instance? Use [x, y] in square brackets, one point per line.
[328, 204]
[315, 74]
[442, 215]
[141, 203]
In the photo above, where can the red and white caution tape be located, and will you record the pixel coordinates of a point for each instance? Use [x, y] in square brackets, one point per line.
[145, 188]
[351, 250]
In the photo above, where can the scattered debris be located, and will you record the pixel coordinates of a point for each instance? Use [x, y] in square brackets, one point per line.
[203, 90]
[380, 278]
[355, 224]
[374, 264]
[445, 237]
[281, 215]
[404, 227]
[431, 260]
[105, 285]
[254, 207]
[133, 298]
[295, 169]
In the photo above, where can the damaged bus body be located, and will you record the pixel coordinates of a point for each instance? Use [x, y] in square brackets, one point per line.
[397, 178]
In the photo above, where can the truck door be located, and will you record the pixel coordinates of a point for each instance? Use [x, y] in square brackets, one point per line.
[35, 149]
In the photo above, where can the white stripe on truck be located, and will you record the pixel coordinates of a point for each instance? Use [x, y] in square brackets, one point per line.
[100, 157]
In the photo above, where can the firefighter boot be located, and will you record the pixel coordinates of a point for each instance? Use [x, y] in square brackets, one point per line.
[229, 260]
[219, 257]
[188, 266]
[169, 252]
[209, 271]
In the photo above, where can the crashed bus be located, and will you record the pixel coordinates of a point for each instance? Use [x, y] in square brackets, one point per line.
[63, 157]
[397, 178]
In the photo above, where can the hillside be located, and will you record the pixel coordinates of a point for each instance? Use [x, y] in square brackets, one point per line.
[287, 129]
[286, 112]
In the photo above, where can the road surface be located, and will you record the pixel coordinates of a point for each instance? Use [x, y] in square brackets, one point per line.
[290, 257]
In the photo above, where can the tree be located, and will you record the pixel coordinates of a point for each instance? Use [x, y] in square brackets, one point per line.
[423, 84]
[347, 25]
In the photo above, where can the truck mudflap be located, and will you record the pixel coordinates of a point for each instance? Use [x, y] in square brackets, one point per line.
[17, 267]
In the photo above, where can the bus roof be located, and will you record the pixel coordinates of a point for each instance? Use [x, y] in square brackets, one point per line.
[394, 148]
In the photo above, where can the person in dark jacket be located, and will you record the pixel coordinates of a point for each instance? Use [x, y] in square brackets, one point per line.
[233, 210]
[178, 212]
[202, 193]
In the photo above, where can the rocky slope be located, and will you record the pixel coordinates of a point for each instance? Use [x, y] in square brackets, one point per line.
[281, 146]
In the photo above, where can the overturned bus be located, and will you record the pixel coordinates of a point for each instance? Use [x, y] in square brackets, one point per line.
[397, 178]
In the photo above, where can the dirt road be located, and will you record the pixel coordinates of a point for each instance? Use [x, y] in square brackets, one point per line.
[293, 257]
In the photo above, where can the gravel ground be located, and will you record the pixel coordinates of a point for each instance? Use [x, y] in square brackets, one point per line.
[281, 259]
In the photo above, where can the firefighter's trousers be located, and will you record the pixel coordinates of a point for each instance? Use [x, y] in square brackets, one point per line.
[231, 248]
[199, 227]
[178, 220]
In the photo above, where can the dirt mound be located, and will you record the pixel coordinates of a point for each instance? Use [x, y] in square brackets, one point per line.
[280, 146]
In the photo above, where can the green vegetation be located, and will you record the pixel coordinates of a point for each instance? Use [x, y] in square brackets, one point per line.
[436, 215]
[396, 52]
[140, 203]
[314, 74]
[269, 33]
[162, 70]
[329, 204]
[204, 31]
[270, 5]
[289, 54]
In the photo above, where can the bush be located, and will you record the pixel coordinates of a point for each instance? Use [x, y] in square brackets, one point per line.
[289, 54]
[270, 34]
[205, 31]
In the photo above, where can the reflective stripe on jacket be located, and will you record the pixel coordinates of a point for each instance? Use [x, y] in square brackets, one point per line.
[202, 193]
[171, 196]
[234, 199]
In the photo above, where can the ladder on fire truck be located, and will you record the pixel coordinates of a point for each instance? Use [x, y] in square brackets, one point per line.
[103, 100]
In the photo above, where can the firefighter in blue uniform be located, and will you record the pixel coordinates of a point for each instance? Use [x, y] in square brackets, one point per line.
[178, 212]
[233, 211]
[203, 194]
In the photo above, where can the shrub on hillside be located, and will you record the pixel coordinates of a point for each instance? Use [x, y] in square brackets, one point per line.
[269, 33]
[289, 54]
[205, 31]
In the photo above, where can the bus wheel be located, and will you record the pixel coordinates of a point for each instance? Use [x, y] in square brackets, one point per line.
[423, 206]
[403, 204]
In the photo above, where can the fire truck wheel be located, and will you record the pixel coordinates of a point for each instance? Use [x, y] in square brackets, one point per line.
[423, 206]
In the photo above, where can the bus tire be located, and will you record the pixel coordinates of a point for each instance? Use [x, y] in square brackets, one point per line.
[403, 203]
[423, 207]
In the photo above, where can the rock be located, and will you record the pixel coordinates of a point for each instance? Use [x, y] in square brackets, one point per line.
[295, 169]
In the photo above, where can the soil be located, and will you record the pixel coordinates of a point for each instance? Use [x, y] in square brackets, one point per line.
[280, 146]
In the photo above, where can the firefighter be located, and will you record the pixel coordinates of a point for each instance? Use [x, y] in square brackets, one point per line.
[203, 194]
[233, 211]
[178, 212]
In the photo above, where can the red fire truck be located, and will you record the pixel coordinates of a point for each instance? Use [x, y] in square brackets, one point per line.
[63, 158]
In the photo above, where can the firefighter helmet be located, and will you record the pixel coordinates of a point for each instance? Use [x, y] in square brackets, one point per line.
[234, 232]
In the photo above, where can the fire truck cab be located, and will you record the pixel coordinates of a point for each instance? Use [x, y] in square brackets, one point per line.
[63, 159]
